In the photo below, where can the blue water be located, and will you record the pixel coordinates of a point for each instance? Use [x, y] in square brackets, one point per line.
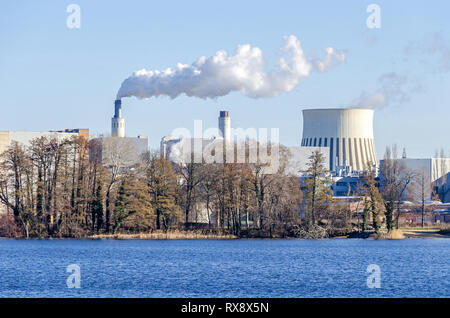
[210, 268]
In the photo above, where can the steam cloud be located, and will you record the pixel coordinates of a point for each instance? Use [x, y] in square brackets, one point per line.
[431, 56]
[222, 74]
[391, 89]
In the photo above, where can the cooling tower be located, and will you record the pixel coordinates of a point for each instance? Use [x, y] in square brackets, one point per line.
[347, 132]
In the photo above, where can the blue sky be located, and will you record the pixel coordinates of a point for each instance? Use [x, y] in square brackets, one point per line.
[53, 77]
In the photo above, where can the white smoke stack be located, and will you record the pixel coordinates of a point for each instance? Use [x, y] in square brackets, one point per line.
[225, 125]
[221, 74]
[118, 122]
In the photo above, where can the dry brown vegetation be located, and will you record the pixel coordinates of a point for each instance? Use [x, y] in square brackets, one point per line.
[169, 235]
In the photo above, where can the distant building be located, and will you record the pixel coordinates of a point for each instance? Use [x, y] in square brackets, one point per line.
[25, 137]
[130, 149]
[117, 146]
[244, 150]
[436, 170]
[345, 186]
[444, 184]
[184, 150]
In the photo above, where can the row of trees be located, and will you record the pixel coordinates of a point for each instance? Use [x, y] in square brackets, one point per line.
[73, 188]
[379, 197]
[61, 188]
[76, 188]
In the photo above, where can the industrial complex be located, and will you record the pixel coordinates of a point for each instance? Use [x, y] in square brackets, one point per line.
[344, 136]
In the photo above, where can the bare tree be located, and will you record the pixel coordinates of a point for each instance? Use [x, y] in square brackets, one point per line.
[396, 179]
[116, 153]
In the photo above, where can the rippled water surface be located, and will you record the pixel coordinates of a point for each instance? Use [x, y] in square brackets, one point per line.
[210, 268]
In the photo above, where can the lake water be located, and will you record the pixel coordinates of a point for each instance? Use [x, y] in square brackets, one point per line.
[215, 268]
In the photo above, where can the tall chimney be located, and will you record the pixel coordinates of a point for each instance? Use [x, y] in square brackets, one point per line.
[225, 125]
[118, 122]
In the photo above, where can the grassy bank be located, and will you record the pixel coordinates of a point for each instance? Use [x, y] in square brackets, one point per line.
[427, 232]
[170, 235]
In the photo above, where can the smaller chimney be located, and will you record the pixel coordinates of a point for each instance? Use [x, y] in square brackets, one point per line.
[225, 125]
[117, 108]
[118, 122]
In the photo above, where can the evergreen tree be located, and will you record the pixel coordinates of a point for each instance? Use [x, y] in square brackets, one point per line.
[120, 211]
[365, 215]
[389, 212]
[374, 200]
[98, 208]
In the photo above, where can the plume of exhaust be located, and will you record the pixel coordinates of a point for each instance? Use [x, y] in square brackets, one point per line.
[430, 55]
[221, 74]
[392, 89]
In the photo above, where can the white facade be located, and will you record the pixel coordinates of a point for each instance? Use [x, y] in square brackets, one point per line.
[435, 168]
[299, 158]
[348, 133]
[118, 127]
[436, 171]
[25, 137]
[129, 150]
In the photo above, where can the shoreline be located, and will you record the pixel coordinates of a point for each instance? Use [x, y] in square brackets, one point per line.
[175, 235]
[406, 233]
[425, 233]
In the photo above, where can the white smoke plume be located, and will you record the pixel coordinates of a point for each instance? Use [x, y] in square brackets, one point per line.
[391, 89]
[222, 74]
[332, 59]
[427, 56]
[433, 51]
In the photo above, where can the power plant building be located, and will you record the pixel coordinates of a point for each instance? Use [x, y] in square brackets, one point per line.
[25, 137]
[435, 171]
[348, 133]
[129, 149]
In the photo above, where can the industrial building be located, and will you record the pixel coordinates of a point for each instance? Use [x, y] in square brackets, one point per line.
[436, 172]
[348, 133]
[109, 148]
[25, 137]
[179, 151]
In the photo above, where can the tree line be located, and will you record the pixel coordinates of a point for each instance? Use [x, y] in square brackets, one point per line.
[64, 188]
[74, 188]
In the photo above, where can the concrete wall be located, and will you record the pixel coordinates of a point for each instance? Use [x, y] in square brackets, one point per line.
[4, 141]
[130, 149]
[300, 158]
[436, 170]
